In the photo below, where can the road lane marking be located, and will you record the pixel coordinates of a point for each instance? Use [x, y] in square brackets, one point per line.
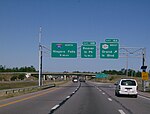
[103, 93]
[121, 112]
[109, 99]
[144, 97]
[30, 97]
[100, 90]
[68, 97]
[55, 107]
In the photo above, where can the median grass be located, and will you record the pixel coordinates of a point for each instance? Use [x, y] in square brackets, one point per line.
[12, 85]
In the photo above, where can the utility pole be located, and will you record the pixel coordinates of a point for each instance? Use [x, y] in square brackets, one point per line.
[40, 57]
[127, 65]
[143, 68]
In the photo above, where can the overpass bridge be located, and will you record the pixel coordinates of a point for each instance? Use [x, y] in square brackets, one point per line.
[64, 73]
[46, 75]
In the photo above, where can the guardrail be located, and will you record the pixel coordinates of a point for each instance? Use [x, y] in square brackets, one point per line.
[26, 89]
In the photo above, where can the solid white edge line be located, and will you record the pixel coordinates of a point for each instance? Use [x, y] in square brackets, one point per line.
[121, 112]
[109, 99]
[144, 97]
[56, 106]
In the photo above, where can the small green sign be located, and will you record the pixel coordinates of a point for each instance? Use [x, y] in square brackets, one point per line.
[112, 40]
[64, 50]
[88, 51]
[101, 75]
[109, 50]
[92, 43]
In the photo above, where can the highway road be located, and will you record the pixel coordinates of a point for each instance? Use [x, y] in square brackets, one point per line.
[76, 98]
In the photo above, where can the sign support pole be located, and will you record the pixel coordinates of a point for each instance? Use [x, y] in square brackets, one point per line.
[144, 70]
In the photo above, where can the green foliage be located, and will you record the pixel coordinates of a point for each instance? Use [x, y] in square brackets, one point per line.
[131, 72]
[1, 78]
[138, 74]
[111, 78]
[13, 78]
[16, 69]
[21, 76]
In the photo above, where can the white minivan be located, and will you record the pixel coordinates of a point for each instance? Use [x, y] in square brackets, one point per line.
[126, 87]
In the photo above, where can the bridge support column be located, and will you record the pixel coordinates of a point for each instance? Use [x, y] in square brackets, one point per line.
[65, 77]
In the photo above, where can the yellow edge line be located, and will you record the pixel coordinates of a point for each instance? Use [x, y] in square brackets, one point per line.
[20, 100]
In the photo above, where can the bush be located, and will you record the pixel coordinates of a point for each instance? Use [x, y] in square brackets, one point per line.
[1, 78]
[111, 78]
[21, 76]
[13, 78]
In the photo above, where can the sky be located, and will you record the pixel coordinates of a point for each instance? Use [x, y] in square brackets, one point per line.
[72, 21]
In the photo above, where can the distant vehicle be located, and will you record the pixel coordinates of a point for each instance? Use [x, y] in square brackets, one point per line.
[82, 80]
[126, 87]
[75, 80]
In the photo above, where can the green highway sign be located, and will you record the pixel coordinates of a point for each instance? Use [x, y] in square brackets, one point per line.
[101, 75]
[112, 40]
[64, 50]
[109, 50]
[89, 43]
[88, 51]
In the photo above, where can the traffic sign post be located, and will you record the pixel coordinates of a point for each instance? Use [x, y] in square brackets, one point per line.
[64, 50]
[109, 50]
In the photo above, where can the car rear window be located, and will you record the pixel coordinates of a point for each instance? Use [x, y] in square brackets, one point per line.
[128, 83]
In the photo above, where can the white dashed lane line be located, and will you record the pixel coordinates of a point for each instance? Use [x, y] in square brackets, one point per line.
[144, 97]
[68, 97]
[121, 112]
[109, 99]
[103, 93]
[55, 107]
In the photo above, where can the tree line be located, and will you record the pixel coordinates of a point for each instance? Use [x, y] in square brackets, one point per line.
[129, 72]
[16, 69]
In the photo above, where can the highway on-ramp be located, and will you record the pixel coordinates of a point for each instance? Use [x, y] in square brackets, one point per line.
[76, 98]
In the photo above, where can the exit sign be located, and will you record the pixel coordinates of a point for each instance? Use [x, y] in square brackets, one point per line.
[88, 49]
[109, 50]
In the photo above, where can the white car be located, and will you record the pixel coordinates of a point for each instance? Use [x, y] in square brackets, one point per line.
[75, 80]
[126, 87]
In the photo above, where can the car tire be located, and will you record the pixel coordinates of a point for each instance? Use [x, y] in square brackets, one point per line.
[116, 94]
[135, 96]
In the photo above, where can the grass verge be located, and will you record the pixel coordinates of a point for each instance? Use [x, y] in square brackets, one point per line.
[13, 85]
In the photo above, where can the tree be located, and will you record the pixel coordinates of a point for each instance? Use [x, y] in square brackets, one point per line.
[16, 69]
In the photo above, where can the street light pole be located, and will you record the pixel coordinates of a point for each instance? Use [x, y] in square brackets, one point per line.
[127, 64]
[40, 57]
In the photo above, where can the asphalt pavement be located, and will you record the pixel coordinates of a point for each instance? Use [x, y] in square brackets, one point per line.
[77, 98]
